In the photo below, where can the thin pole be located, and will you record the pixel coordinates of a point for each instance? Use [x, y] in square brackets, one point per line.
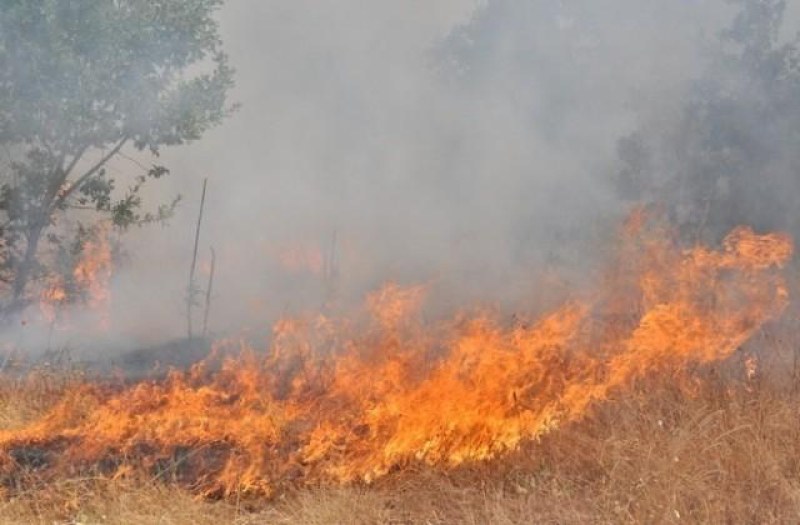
[208, 291]
[191, 291]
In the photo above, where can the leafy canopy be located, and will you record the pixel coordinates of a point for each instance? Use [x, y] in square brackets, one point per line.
[79, 81]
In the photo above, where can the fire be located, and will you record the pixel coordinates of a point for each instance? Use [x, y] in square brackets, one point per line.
[344, 399]
[392, 304]
[88, 281]
[51, 299]
[93, 271]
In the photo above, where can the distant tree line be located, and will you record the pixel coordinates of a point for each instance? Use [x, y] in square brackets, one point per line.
[728, 153]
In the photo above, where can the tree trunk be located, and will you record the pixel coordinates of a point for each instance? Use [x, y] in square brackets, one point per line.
[23, 272]
[37, 221]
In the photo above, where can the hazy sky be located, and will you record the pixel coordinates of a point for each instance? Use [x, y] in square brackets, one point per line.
[448, 142]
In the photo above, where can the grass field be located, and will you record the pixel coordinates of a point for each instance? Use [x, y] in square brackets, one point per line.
[674, 398]
[725, 449]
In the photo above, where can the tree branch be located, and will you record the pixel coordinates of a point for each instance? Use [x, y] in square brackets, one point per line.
[94, 169]
[74, 161]
[56, 176]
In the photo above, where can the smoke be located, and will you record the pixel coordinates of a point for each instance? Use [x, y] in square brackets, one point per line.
[725, 153]
[467, 145]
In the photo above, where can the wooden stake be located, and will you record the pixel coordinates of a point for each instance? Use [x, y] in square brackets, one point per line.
[208, 291]
[192, 291]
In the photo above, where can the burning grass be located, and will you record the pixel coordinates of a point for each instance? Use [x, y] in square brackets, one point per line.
[729, 452]
[627, 404]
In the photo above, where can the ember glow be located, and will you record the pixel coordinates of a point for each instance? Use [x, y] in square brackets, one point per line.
[347, 398]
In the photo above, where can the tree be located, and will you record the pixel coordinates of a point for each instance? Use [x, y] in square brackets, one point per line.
[732, 156]
[81, 81]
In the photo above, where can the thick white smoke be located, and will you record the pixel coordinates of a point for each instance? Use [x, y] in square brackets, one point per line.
[466, 144]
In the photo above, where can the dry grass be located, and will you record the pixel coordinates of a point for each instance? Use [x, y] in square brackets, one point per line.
[25, 396]
[729, 452]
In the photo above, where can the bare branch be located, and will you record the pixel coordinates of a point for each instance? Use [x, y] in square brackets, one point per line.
[94, 169]
[134, 161]
[74, 161]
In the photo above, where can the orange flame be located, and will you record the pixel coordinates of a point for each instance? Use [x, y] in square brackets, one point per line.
[346, 399]
[90, 277]
[51, 299]
[93, 271]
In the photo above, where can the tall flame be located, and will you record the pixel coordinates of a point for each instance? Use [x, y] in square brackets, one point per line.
[339, 400]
